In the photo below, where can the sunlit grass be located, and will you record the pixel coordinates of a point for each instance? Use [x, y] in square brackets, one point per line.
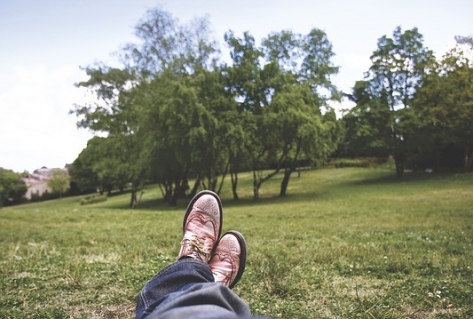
[344, 243]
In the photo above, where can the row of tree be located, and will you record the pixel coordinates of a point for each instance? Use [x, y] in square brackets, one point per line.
[13, 187]
[411, 105]
[174, 111]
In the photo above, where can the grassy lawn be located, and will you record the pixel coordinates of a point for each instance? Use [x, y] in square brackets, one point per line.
[344, 243]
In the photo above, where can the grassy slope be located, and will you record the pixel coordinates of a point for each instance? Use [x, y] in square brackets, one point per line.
[343, 243]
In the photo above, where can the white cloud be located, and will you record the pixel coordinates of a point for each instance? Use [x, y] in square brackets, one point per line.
[35, 127]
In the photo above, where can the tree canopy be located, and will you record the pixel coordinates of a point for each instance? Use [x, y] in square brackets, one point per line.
[59, 182]
[411, 106]
[174, 112]
[12, 188]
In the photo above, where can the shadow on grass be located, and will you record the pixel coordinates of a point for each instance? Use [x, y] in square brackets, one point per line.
[389, 178]
[409, 177]
[159, 204]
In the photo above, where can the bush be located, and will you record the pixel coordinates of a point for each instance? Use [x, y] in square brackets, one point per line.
[37, 197]
[93, 199]
[358, 162]
[346, 162]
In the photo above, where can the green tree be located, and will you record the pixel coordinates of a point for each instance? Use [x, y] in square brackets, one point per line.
[367, 125]
[12, 188]
[244, 81]
[181, 136]
[303, 88]
[59, 182]
[182, 100]
[444, 103]
[283, 84]
[398, 67]
[210, 160]
[114, 113]
[303, 133]
[107, 163]
[82, 172]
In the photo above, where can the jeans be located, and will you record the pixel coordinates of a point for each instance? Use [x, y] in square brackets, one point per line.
[186, 289]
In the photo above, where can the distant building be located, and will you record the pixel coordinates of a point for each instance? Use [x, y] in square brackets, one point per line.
[37, 182]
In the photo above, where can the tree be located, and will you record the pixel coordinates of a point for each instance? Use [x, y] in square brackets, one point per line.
[244, 81]
[59, 182]
[183, 133]
[444, 103]
[12, 188]
[398, 67]
[368, 124]
[303, 88]
[283, 84]
[303, 132]
[154, 89]
[82, 170]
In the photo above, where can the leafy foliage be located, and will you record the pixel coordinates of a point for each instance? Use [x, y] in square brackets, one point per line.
[59, 182]
[172, 113]
[444, 104]
[410, 106]
[12, 188]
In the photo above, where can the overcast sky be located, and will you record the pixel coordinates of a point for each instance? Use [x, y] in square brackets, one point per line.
[44, 43]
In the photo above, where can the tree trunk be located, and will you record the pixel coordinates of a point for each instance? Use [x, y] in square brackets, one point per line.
[234, 179]
[399, 158]
[467, 158]
[285, 181]
[256, 187]
[223, 177]
[173, 199]
[167, 192]
[399, 163]
[133, 197]
[436, 160]
[195, 187]
[180, 187]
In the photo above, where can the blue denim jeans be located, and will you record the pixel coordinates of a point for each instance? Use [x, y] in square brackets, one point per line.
[186, 289]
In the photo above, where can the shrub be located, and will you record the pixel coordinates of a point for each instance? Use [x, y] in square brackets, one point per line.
[93, 199]
[358, 162]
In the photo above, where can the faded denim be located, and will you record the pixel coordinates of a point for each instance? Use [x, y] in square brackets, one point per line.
[186, 289]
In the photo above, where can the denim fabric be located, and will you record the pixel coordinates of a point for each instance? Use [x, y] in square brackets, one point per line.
[186, 289]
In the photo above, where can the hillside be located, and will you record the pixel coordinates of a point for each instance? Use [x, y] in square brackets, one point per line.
[349, 242]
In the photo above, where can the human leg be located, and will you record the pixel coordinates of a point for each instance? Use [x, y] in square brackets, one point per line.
[187, 288]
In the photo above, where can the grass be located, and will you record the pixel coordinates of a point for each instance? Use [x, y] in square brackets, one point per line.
[344, 243]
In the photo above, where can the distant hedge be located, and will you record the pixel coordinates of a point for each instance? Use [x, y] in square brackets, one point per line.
[359, 162]
[93, 199]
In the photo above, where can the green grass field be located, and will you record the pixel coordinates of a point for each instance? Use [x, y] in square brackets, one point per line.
[344, 243]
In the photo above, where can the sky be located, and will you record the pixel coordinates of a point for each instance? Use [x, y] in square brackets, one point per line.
[44, 44]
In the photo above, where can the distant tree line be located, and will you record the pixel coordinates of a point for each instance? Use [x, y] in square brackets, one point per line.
[13, 187]
[413, 107]
[174, 112]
